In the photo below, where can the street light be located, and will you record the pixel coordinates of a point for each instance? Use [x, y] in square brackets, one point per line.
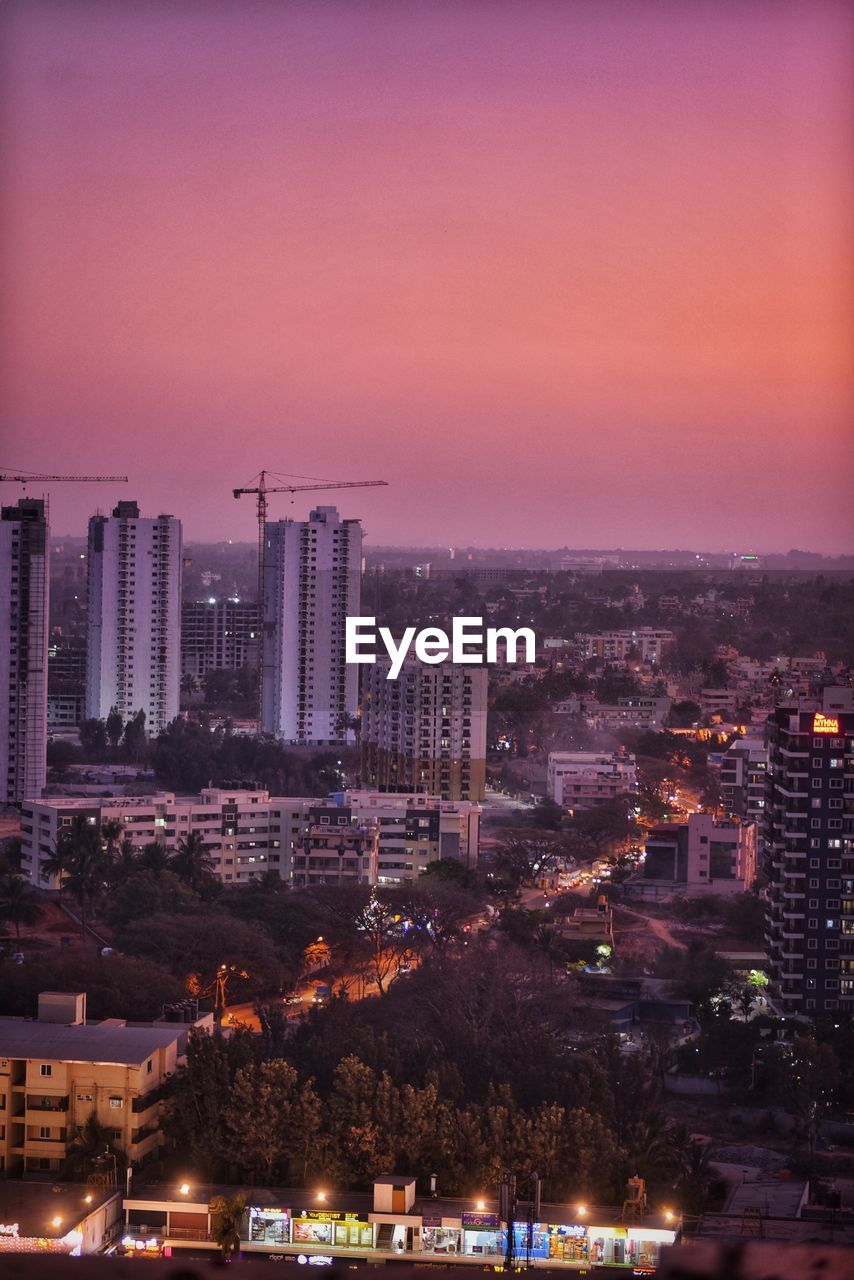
[56, 1222]
[184, 1189]
[669, 1215]
[480, 1205]
[582, 1210]
[321, 1195]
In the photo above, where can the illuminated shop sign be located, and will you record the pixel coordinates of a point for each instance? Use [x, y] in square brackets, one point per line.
[325, 1215]
[488, 1221]
[824, 724]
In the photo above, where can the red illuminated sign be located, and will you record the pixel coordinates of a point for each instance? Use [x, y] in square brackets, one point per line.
[824, 724]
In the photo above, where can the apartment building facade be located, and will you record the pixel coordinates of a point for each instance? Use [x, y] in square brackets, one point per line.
[414, 830]
[647, 644]
[248, 832]
[809, 857]
[704, 854]
[24, 587]
[744, 777]
[58, 1070]
[312, 583]
[134, 616]
[426, 730]
[335, 849]
[218, 635]
[584, 779]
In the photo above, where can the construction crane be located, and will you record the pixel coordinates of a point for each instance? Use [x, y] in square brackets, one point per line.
[260, 490]
[32, 479]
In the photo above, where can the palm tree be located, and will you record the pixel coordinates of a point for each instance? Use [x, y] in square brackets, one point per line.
[111, 832]
[90, 1148]
[126, 862]
[192, 862]
[189, 686]
[227, 1213]
[17, 903]
[154, 858]
[88, 865]
[58, 863]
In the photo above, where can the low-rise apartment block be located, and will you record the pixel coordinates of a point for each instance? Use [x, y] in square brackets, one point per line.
[57, 1070]
[584, 779]
[744, 777]
[702, 855]
[646, 644]
[247, 832]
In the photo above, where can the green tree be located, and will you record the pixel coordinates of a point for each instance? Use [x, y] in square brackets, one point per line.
[192, 863]
[189, 687]
[361, 1112]
[134, 739]
[111, 834]
[93, 739]
[155, 858]
[18, 903]
[58, 863]
[272, 1120]
[91, 1151]
[114, 727]
[194, 1120]
[143, 894]
[227, 1217]
[87, 868]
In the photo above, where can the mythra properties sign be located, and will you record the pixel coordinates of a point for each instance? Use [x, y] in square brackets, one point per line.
[470, 643]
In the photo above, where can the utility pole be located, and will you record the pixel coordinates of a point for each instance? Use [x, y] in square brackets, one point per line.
[509, 1207]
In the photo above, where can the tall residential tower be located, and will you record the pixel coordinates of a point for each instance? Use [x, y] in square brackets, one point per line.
[134, 632]
[312, 579]
[809, 857]
[426, 730]
[24, 582]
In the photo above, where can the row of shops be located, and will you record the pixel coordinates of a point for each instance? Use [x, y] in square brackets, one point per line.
[279, 1229]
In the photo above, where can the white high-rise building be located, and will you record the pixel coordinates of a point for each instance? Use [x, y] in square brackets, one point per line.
[134, 633]
[24, 585]
[312, 581]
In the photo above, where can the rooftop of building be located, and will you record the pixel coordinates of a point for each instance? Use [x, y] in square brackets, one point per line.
[106, 1042]
[35, 1206]
[300, 1200]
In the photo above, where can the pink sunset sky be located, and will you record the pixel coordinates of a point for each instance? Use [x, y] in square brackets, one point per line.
[561, 273]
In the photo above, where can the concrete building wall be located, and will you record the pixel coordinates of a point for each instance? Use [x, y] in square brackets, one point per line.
[24, 586]
[312, 582]
[426, 730]
[134, 616]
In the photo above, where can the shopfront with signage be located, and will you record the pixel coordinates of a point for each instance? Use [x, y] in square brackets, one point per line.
[343, 1230]
[607, 1246]
[567, 1242]
[644, 1246]
[482, 1235]
[269, 1226]
[441, 1235]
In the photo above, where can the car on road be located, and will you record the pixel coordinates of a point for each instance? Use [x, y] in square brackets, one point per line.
[293, 997]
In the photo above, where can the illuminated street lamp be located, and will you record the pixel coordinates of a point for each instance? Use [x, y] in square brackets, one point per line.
[321, 1195]
[184, 1188]
[480, 1205]
[582, 1210]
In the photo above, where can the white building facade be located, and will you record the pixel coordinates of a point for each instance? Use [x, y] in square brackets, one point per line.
[24, 586]
[134, 613]
[246, 833]
[312, 582]
[584, 779]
